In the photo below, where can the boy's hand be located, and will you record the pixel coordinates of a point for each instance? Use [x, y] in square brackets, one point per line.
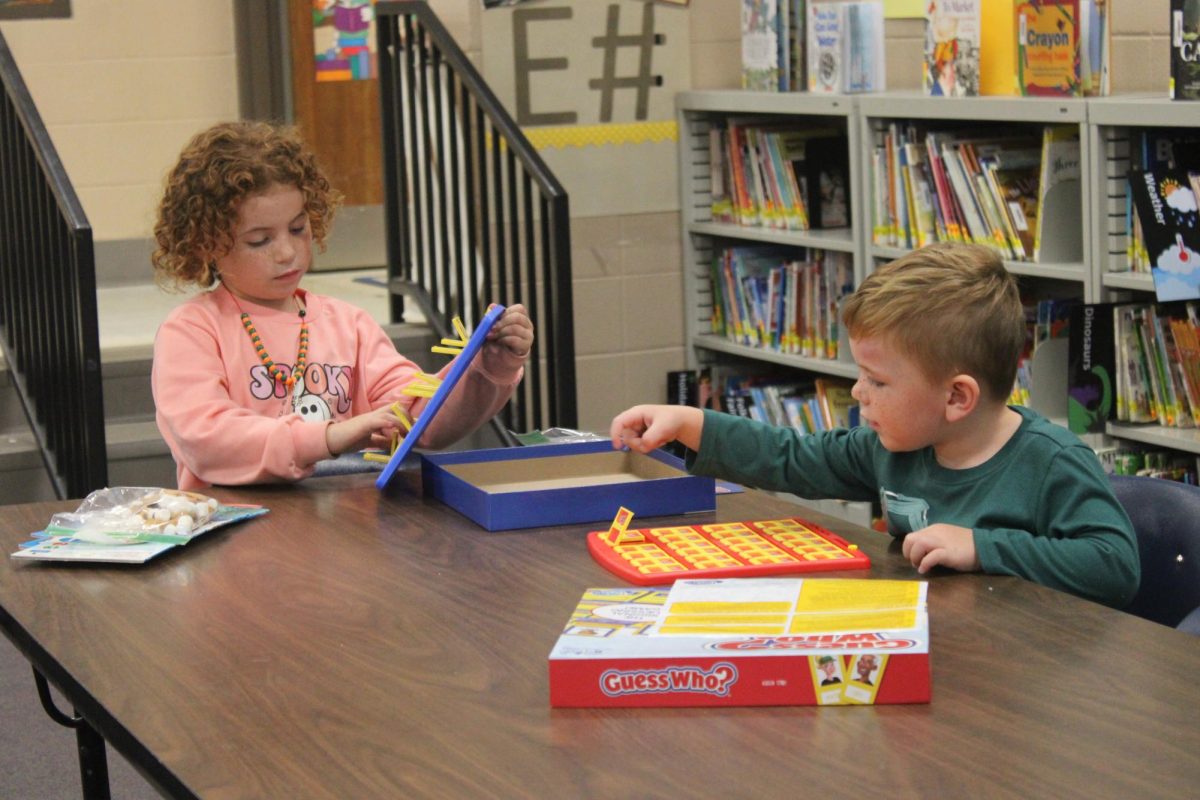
[374, 428]
[941, 544]
[645, 428]
[512, 333]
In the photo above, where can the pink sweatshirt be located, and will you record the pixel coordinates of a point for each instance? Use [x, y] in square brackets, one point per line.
[227, 421]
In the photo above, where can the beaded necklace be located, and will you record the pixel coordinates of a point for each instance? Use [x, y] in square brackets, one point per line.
[295, 381]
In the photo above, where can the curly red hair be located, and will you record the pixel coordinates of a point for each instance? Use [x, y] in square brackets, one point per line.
[216, 172]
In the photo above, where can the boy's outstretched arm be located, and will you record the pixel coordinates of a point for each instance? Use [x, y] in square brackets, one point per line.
[645, 428]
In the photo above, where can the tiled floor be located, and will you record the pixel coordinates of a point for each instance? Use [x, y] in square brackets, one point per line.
[130, 315]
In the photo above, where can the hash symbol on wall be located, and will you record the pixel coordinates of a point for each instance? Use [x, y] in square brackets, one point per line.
[610, 43]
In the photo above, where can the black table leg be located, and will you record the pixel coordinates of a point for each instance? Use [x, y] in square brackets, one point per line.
[93, 762]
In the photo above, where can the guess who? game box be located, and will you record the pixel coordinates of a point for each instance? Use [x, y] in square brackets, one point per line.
[746, 642]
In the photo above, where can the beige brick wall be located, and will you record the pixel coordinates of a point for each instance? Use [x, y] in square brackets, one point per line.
[121, 87]
[121, 99]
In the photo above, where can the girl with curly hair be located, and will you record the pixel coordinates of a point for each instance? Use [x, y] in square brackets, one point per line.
[256, 379]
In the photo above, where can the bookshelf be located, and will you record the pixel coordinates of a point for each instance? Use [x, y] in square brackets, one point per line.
[1113, 125]
[697, 111]
[1062, 260]
[1090, 270]
[702, 236]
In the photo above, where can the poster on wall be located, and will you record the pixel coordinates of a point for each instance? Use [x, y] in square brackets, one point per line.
[34, 9]
[344, 40]
[592, 85]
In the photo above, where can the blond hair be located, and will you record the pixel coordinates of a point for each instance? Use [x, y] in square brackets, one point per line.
[952, 308]
[216, 172]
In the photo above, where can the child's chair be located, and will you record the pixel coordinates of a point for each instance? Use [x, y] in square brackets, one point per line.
[1166, 519]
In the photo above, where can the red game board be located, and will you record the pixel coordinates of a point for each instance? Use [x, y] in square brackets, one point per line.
[655, 556]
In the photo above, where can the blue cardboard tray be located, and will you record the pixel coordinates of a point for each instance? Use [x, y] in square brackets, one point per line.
[543, 485]
[461, 362]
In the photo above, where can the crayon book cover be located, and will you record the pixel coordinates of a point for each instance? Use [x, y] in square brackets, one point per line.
[1185, 49]
[1166, 208]
[1048, 48]
[951, 65]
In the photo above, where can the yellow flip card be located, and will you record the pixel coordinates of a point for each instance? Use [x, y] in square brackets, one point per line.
[617, 533]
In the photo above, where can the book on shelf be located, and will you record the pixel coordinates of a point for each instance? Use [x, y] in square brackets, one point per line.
[1091, 366]
[1166, 209]
[760, 45]
[930, 186]
[845, 47]
[1095, 46]
[780, 299]
[778, 175]
[1048, 48]
[997, 48]
[1150, 150]
[863, 66]
[772, 45]
[1185, 50]
[824, 48]
[1063, 47]
[808, 406]
[952, 48]
[1157, 357]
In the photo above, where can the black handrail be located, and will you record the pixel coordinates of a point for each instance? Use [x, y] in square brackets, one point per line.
[473, 214]
[49, 331]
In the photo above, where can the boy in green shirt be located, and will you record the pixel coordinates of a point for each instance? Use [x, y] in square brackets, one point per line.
[969, 482]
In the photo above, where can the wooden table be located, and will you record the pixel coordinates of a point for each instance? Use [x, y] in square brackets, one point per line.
[353, 644]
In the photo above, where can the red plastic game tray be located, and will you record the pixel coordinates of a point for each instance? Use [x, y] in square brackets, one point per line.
[725, 550]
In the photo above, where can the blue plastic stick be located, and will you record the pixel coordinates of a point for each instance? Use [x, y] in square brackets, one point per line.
[461, 362]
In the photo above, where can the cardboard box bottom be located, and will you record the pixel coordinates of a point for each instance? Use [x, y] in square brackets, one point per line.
[792, 679]
[530, 487]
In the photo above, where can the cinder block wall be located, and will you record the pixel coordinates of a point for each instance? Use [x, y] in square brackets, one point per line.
[120, 99]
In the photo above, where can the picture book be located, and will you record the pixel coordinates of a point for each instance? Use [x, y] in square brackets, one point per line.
[1166, 209]
[1016, 175]
[1185, 49]
[997, 48]
[863, 68]
[952, 42]
[827, 173]
[1091, 368]
[760, 45]
[1048, 48]
[1094, 46]
[824, 48]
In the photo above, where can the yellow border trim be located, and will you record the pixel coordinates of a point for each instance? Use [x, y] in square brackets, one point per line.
[561, 137]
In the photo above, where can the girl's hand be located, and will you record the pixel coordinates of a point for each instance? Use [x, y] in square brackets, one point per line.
[512, 333]
[372, 429]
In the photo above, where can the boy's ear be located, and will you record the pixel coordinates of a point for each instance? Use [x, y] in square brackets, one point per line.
[962, 398]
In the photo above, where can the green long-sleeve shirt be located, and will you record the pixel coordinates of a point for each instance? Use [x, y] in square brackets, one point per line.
[1041, 508]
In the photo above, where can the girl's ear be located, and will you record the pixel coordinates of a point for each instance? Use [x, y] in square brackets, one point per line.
[962, 397]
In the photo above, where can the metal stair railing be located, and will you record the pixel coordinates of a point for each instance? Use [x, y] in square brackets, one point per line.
[49, 331]
[473, 214]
